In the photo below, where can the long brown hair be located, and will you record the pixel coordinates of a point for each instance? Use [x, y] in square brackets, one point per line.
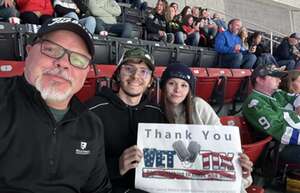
[286, 83]
[188, 105]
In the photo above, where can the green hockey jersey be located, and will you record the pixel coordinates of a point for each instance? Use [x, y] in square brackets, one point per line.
[274, 115]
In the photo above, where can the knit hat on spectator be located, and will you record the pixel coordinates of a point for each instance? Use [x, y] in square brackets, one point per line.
[138, 53]
[178, 71]
[268, 70]
[69, 24]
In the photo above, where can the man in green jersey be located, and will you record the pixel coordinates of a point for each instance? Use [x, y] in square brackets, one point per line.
[273, 111]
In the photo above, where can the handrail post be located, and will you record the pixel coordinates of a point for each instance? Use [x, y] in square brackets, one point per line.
[271, 42]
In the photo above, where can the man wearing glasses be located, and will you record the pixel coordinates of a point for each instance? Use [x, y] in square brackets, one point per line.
[121, 110]
[49, 142]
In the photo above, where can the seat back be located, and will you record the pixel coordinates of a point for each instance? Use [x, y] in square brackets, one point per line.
[9, 68]
[234, 83]
[11, 42]
[250, 146]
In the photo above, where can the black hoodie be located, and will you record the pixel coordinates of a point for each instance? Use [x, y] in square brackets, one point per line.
[120, 129]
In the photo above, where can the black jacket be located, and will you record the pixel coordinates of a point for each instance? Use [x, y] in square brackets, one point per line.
[38, 155]
[155, 22]
[284, 51]
[120, 129]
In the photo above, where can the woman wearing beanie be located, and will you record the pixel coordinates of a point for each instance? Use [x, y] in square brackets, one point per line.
[180, 106]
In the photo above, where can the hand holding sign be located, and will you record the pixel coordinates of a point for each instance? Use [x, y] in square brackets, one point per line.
[129, 159]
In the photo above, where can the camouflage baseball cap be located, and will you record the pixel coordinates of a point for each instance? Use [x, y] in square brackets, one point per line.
[138, 53]
[268, 70]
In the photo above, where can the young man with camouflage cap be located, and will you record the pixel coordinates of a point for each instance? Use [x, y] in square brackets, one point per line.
[274, 112]
[121, 111]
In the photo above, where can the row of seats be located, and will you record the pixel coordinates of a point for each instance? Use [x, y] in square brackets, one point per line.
[215, 85]
[14, 38]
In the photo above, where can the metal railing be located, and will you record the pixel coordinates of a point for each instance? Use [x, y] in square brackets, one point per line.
[248, 24]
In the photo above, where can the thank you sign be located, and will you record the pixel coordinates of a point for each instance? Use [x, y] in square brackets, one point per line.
[188, 158]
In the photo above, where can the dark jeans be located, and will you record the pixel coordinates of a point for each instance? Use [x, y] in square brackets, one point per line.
[30, 17]
[120, 29]
[7, 12]
[290, 64]
[238, 60]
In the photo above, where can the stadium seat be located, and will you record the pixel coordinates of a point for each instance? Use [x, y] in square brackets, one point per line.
[11, 42]
[105, 70]
[234, 83]
[255, 189]
[188, 55]
[250, 145]
[163, 54]
[220, 75]
[124, 44]
[89, 88]
[105, 51]
[204, 84]
[208, 58]
[159, 70]
[238, 88]
[9, 68]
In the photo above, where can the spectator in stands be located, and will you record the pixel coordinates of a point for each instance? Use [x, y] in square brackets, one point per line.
[262, 52]
[35, 11]
[139, 4]
[201, 22]
[172, 25]
[68, 8]
[287, 54]
[211, 29]
[175, 6]
[156, 24]
[274, 112]
[195, 13]
[106, 12]
[50, 141]
[8, 10]
[187, 10]
[228, 45]
[129, 106]
[247, 53]
[222, 26]
[190, 32]
[291, 83]
[180, 106]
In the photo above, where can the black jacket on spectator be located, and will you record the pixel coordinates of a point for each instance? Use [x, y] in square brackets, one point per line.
[120, 130]
[38, 154]
[155, 22]
[284, 51]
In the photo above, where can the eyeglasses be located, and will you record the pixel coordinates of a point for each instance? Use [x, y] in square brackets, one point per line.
[130, 70]
[56, 51]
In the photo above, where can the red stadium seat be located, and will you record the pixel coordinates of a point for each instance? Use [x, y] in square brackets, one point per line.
[9, 68]
[234, 83]
[250, 146]
[204, 84]
[255, 189]
[89, 88]
[159, 70]
[105, 70]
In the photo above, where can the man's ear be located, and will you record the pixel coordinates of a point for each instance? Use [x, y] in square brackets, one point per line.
[28, 48]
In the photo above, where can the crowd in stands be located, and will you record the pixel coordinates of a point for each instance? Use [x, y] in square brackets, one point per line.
[192, 26]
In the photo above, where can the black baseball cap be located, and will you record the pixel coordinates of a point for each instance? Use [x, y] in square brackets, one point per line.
[268, 70]
[69, 24]
[295, 35]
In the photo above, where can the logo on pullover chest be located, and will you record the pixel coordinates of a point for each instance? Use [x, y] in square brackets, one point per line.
[82, 150]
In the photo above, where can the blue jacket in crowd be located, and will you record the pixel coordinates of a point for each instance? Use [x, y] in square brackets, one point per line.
[225, 42]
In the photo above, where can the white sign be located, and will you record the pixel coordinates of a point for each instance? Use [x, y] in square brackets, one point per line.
[189, 159]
